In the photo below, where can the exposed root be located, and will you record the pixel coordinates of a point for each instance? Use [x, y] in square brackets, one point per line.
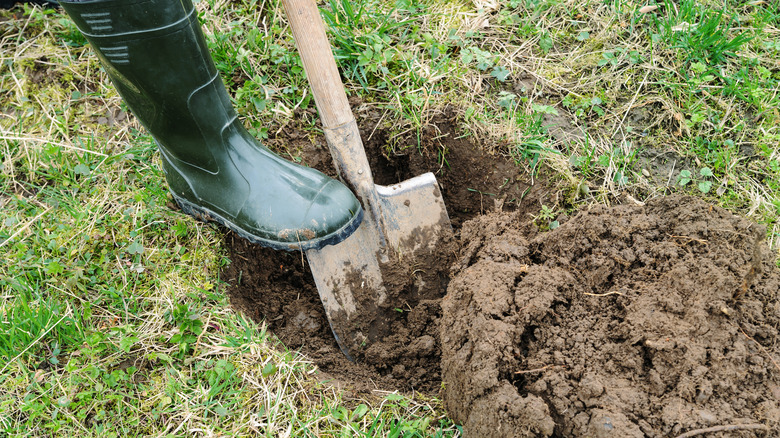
[724, 428]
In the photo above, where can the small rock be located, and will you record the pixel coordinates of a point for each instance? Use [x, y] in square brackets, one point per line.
[305, 322]
[422, 346]
[707, 417]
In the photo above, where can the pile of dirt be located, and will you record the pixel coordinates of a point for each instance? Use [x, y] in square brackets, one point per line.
[626, 321]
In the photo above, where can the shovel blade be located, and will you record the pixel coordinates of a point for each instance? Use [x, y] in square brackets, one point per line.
[349, 275]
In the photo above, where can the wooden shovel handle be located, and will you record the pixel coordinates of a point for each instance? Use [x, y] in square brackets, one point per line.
[309, 33]
[340, 129]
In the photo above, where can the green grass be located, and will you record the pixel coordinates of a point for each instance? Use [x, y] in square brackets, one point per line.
[113, 319]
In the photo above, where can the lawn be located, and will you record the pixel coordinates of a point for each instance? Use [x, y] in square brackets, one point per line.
[113, 316]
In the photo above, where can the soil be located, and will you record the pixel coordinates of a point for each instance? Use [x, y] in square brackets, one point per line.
[277, 287]
[624, 321]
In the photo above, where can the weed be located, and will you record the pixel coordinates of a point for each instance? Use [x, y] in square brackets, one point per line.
[113, 320]
[584, 107]
[704, 183]
[616, 57]
[189, 327]
[546, 219]
[545, 42]
[704, 35]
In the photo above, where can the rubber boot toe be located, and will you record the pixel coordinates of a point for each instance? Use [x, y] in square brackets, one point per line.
[300, 222]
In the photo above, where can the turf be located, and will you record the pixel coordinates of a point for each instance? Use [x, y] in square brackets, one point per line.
[113, 320]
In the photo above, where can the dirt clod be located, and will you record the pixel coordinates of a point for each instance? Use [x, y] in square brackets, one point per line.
[626, 321]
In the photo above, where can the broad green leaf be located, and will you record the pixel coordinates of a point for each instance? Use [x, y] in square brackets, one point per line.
[127, 343]
[269, 369]
[81, 169]
[135, 248]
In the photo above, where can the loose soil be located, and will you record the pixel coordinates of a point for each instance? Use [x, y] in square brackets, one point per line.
[625, 321]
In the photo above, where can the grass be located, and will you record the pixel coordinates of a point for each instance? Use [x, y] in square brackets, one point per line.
[113, 319]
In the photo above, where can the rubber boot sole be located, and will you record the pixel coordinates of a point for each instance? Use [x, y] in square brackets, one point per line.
[205, 215]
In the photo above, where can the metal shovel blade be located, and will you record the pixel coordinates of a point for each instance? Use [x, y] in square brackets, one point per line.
[402, 223]
[349, 275]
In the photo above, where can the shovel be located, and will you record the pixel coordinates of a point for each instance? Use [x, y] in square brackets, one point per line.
[403, 222]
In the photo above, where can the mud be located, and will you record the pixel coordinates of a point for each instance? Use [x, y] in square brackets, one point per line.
[626, 321]
[278, 288]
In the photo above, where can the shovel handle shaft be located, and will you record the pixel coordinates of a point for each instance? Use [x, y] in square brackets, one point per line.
[341, 130]
[309, 33]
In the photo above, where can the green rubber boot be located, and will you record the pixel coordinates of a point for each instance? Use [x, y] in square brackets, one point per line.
[156, 55]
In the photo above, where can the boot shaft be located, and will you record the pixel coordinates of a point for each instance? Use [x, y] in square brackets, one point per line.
[156, 55]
